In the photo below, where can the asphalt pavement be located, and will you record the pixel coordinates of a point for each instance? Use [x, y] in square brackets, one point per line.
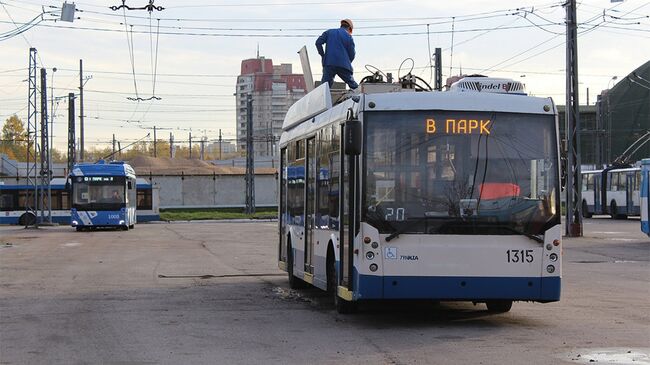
[211, 293]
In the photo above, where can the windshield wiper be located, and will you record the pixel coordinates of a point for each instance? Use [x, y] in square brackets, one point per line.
[403, 229]
[501, 226]
[529, 235]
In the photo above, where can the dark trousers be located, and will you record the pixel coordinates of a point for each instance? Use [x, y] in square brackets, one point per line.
[346, 75]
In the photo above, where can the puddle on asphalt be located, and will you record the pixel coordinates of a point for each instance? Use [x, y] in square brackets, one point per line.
[618, 355]
[289, 294]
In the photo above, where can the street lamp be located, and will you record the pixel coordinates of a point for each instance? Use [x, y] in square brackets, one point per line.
[614, 78]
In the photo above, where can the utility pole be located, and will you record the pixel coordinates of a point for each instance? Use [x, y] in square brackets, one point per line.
[72, 151]
[220, 143]
[190, 145]
[573, 183]
[119, 149]
[81, 110]
[31, 208]
[202, 148]
[171, 145]
[49, 154]
[250, 159]
[438, 70]
[155, 145]
[113, 154]
[45, 149]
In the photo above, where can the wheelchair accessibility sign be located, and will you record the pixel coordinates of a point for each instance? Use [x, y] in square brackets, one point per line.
[390, 253]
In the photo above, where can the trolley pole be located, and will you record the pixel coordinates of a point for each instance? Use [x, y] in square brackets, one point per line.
[572, 114]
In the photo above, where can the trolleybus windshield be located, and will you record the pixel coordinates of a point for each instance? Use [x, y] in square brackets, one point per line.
[445, 172]
[98, 192]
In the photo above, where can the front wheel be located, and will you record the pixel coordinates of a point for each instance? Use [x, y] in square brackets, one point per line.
[342, 306]
[499, 306]
[294, 282]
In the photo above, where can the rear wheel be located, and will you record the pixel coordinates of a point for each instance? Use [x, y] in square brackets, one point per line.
[499, 306]
[613, 211]
[27, 219]
[585, 210]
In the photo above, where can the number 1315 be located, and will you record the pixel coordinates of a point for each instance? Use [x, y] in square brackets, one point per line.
[516, 256]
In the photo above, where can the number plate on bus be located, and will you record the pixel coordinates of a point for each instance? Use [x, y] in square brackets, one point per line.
[520, 256]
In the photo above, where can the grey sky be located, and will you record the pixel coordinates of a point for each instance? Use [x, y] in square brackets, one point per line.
[196, 71]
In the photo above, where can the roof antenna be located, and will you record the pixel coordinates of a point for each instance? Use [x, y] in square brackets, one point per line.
[258, 50]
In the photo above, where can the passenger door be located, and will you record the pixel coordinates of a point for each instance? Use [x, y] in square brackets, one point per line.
[349, 218]
[310, 203]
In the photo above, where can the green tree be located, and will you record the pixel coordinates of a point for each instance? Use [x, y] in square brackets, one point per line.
[14, 139]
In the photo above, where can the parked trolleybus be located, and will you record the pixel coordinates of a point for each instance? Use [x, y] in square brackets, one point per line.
[103, 195]
[645, 193]
[13, 197]
[614, 191]
[423, 195]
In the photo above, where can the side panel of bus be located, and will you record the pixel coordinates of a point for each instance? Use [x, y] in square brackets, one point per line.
[644, 200]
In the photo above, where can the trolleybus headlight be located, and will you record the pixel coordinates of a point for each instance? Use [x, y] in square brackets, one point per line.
[549, 246]
[75, 223]
[553, 257]
[373, 267]
[370, 255]
[121, 223]
[550, 269]
[374, 245]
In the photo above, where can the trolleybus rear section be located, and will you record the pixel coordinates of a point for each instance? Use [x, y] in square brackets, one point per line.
[432, 195]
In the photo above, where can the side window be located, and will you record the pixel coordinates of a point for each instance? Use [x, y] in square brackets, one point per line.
[7, 200]
[144, 199]
[622, 181]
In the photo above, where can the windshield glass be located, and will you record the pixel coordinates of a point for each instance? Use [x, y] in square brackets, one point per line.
[98, 192]
[460, 172]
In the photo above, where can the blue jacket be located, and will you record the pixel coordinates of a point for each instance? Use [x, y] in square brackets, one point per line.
[340, 48]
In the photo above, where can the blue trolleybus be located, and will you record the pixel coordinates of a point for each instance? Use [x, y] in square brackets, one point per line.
[645, 193]
[14, 196]
[423, 195]
[103, 195]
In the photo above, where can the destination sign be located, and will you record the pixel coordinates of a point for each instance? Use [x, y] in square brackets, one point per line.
[458, 126]
[98, 178]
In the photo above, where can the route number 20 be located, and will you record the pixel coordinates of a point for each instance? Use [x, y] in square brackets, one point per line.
[394, 214]
[520, 256]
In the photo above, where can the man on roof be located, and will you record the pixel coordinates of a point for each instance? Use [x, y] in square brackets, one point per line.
[338, 54]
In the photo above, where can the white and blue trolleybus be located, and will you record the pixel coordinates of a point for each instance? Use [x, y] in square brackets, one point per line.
[449, 196]
[103, 195]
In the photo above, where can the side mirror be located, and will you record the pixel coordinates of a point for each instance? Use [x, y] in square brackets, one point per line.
[67, 185]
[352, 136]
